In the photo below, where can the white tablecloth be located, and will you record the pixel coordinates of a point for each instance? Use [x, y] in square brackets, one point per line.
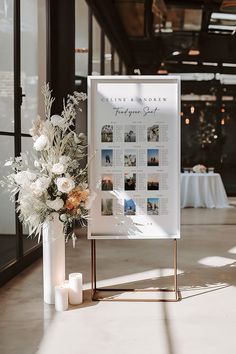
[203, 190]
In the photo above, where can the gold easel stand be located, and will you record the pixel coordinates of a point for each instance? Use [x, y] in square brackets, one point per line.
[95, 291]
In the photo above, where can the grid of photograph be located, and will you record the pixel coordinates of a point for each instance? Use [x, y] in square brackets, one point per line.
[130, 133]
[129, 158]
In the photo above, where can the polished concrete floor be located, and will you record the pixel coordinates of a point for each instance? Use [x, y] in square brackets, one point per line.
[204, 321]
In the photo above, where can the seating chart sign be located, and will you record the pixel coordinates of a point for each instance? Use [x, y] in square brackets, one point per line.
[134, 156]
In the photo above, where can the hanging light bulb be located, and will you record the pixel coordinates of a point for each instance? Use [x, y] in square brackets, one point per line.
[192, 109]
[187, 121]
[222, 122]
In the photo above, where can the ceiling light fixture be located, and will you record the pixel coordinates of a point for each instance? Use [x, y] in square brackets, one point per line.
[230, 65]
[162, 72]
[222, 27]
[209, 63]
[176, 52]
[187, 121]
[193, 52]
[190, 62]
[222, 16]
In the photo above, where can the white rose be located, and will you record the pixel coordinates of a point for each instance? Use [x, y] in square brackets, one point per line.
[41, 143]
[56, 120]
[65, 185]
[56, 204]
[40, 186]
[44, 182]
[64, 159]
[58, 168]
[36, 189]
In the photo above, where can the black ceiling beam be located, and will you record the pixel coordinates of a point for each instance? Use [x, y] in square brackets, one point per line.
[106, 15]
[206, 88]
[188, 68]
[197, 4]
[213, 48]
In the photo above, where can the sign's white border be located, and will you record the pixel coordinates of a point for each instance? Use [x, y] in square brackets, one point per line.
[93, 81]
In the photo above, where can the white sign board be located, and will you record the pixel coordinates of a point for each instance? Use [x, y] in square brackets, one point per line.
[134, 155]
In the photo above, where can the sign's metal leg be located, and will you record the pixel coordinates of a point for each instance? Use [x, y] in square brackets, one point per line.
[93, 270]
[95, 290]
[95, 267]
[175, 270]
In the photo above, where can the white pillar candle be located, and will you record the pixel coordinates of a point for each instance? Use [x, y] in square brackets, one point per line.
[75, 288]
[61, 298]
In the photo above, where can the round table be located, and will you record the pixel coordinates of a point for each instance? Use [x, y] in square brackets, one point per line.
[204, 190]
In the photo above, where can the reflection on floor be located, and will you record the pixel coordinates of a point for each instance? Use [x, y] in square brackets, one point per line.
[203, 322]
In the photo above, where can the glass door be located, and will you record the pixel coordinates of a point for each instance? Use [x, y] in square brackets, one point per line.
[19, 105]
[8, 252]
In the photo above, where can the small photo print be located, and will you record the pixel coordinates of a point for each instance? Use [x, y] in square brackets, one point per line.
[152, 182]
[107, 207]
[129, 207]
[153, 157]
[130, 158]
[153, 133]
[107, 134]
[130, 181]
[107, 183]
[130, 134]
[107, 157]
[152, 206]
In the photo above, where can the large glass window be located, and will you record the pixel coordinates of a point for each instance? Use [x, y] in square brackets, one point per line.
[81, 38]
[20, 65]
[108, 57]
[96, 48]
[7, 208]
[6, 67]
[29, 63]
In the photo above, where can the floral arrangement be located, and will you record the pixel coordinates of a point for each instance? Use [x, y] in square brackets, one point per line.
[50, 179]
[199, 169]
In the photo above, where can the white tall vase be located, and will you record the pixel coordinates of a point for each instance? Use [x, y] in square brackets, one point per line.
[53, 257]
